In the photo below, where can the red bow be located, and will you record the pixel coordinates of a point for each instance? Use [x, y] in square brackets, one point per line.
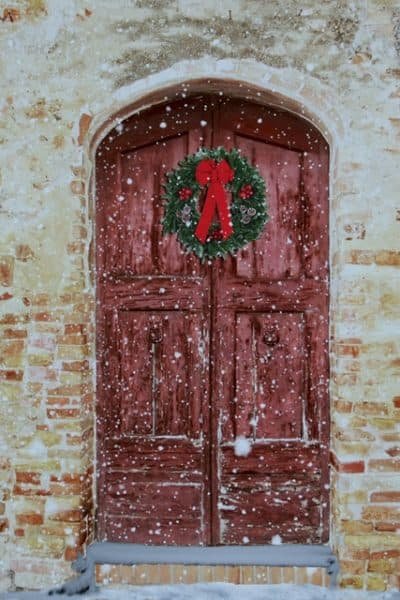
[216, 175]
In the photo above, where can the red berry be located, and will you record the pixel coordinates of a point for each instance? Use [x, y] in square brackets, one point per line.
[185, 193]
[246, 192]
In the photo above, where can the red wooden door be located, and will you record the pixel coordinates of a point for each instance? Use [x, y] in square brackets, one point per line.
[212, 379]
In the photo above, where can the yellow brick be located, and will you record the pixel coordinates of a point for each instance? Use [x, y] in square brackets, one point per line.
[46, 546]
[40, 360]
[275, 574]
[288, 575]
[72, 352]
[382, 565]
[39, 465]
[261, 575]
[372, 541]
[376, 583]
[246, 574]
[232, 575]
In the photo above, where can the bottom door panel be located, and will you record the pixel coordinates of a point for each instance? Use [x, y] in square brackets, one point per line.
[273, 491]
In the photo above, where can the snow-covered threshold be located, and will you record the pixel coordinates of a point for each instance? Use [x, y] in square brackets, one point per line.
[226, 591]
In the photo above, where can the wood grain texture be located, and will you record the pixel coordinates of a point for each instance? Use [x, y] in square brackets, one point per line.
[191, 355]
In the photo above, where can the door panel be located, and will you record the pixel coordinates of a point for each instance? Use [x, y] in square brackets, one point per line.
[270, 369]
[272, 491]
[161, 371]
[280, 169]
[193, 356]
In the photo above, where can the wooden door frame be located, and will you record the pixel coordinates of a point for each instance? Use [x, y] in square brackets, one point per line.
[232, 88]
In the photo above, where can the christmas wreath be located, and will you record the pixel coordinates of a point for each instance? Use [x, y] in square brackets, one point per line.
[218, 227]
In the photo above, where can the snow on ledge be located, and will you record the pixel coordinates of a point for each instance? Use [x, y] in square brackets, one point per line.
[222, 591]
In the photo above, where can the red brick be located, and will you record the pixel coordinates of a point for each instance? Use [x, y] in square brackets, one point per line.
[58, 401]
[28, 477]
[68, 390]
[18, 490]
[63, 413]
[71, 328]
[348, 350]
[393, 451]
[84, 123]
[347, 467]
[71, 340]
[6, 270]
[395, 553]
[352, 467]
[30, 519]
[388, 526]
[396, 401]
[19, 532]
[3, 525]
[11, 333]
[11, 319]
[75, 365]
[11, 375]
[388, 496]
[67, 516]
[71, 553]
[43, 316]
[380, 512]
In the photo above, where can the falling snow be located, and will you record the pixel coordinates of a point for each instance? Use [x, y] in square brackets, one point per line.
[242, 446]
[213, 376]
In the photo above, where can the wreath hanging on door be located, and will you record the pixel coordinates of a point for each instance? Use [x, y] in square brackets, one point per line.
[198, 210]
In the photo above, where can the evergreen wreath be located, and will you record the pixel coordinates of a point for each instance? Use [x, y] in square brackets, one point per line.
[209, 174]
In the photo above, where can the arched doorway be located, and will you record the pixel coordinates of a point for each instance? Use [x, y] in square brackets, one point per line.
[193, 356]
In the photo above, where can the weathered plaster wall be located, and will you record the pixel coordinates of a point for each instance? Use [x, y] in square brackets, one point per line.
[64, 63]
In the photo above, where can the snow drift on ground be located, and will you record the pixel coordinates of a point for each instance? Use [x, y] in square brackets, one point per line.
[221, 591]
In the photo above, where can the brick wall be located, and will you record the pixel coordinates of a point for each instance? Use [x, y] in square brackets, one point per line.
[68, 66]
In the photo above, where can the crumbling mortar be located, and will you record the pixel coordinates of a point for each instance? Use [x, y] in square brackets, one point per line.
[235, 38]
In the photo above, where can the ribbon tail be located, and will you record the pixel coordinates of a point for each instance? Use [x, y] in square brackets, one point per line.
[207, 214]
[224, 217]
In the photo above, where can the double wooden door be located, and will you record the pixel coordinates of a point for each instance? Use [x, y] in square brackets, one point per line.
[212, 378]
